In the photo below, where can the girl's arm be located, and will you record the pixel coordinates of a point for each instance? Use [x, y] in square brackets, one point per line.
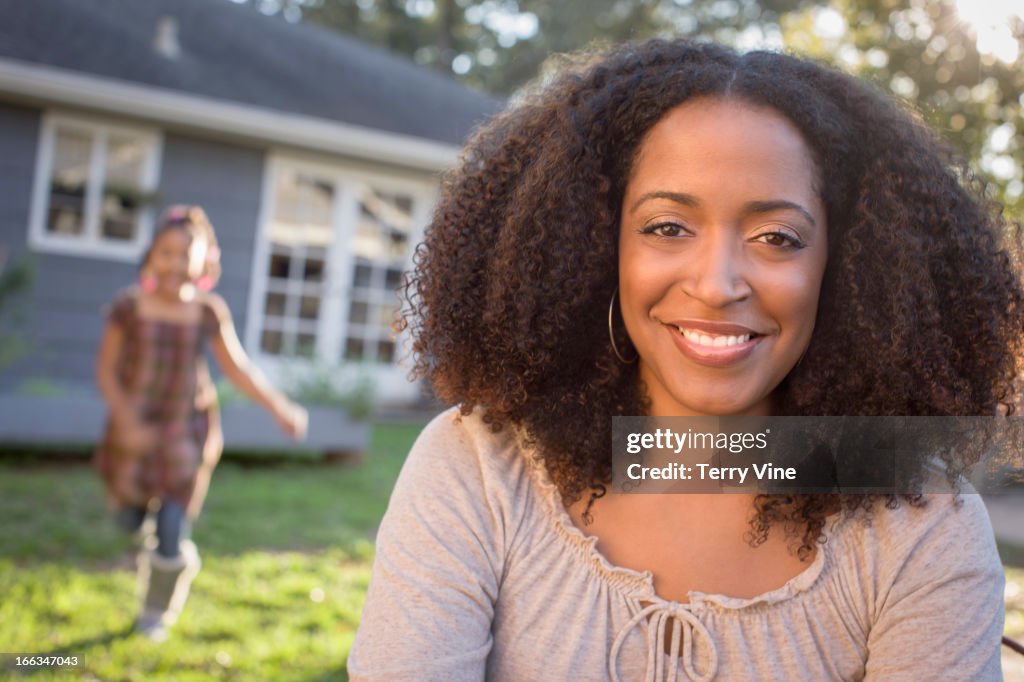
[241, 372]
[132, 433]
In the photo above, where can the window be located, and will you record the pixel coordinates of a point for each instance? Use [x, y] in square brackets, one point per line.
[335, 244]
[300, 236]
[94, 188]
[381, 247]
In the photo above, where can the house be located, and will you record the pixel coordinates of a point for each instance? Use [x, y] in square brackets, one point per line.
[316, 156]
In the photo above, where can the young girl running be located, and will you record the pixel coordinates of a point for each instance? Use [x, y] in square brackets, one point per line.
[163, 434]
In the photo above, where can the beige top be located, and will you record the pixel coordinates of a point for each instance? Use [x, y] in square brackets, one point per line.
[480, 574]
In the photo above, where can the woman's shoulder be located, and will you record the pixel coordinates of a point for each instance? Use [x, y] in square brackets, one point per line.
[947, 532]
[464, 451]
[888, 561]
[460, 480]
[473, 431]
[466, 438]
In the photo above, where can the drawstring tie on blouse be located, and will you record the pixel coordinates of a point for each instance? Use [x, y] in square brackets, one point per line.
[685, 626]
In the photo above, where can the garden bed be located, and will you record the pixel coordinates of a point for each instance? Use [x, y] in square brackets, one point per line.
[76, 420]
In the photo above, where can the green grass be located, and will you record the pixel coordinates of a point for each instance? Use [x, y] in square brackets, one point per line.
[1015, 603]
[1013, 559]
[1013, 555]
[287, 550]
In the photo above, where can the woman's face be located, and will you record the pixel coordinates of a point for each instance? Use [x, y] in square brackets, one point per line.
[722, 249]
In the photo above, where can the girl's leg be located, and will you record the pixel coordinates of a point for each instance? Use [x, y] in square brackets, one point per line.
[169, 569]
[134, 519]
[172, 527]
[211, 441]
[167, 572]
[130, 518]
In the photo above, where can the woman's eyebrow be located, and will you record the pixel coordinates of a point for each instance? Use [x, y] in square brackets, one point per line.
[678, 197]
[750, 208]
[778, 205]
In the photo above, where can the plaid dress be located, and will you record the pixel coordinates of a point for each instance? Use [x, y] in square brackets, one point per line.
[162, 370]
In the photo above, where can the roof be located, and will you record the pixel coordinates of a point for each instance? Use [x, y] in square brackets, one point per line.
[232, 52]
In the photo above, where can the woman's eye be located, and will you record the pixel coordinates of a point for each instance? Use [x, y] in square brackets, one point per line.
[780, 239]
[664, 230]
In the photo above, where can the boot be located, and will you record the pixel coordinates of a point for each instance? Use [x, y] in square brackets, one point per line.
[165, 586]
[144, 537]
[138, 523]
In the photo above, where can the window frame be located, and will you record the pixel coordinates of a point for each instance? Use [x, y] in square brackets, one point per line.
[332, 322]
[90, 243]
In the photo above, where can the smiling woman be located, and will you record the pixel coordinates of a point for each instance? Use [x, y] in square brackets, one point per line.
[722, 249]
[677, 229]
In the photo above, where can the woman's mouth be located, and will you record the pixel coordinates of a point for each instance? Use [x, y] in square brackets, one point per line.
[712, 341]
[721, 346]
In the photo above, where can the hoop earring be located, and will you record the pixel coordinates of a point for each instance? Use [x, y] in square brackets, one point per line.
[611, 334]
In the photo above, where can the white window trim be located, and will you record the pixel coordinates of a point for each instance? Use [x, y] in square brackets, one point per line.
[333, 323]
[90, 244]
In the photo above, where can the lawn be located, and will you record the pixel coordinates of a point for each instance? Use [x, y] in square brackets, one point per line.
[287, 550]
[1014, 592]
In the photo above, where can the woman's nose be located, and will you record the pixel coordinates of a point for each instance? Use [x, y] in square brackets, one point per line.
[717, 275]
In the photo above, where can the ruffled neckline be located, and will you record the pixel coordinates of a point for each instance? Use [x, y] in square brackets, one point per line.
[639, 585]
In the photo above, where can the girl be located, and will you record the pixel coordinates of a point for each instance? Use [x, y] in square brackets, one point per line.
[675, 229]
[163, 435]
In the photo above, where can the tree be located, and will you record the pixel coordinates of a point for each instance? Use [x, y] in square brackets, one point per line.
[922, 51]
[926, 54]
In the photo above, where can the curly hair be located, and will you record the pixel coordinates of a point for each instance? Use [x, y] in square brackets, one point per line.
[921, 309]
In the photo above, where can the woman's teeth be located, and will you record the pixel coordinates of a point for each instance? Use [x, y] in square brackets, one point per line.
[712, 341]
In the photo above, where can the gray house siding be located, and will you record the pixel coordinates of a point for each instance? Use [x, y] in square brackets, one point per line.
[62, 324]
[19, 133]
[19, 136]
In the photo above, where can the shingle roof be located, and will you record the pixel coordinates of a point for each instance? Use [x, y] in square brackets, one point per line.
[234, 53]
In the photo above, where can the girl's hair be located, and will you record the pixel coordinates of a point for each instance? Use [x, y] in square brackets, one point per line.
[921, 310]
[193, 219]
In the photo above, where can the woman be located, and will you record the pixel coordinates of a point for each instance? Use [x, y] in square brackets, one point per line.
[778, 239]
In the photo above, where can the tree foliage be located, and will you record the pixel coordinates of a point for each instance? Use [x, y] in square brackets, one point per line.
[927, 55]
[923, 51]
